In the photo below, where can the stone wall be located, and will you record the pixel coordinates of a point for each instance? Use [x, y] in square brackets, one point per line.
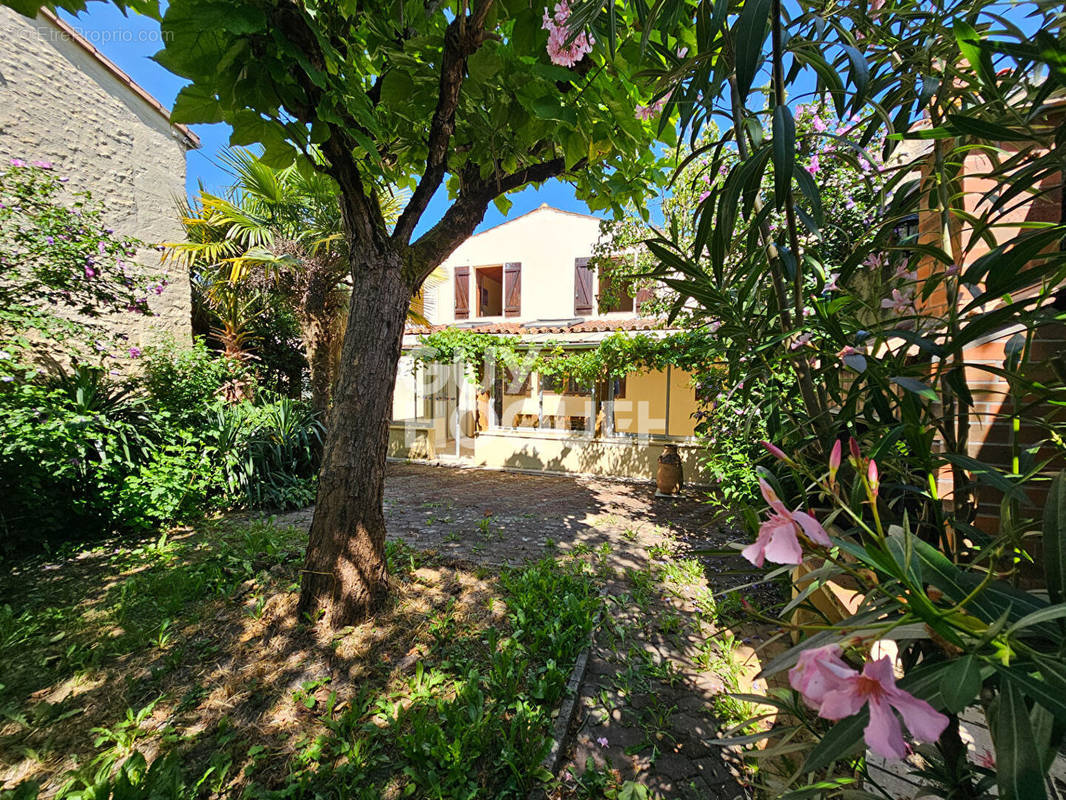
[61, 102]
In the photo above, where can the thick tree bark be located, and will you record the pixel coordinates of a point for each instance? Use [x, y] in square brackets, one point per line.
[345, 577]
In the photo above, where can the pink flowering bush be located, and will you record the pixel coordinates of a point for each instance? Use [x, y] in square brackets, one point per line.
[932, 639]
[848, 298]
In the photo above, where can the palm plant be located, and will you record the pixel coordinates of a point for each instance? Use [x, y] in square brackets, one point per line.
[277, 232]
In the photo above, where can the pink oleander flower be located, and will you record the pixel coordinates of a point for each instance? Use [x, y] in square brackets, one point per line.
[799, 341]
[899, 302]
[714, 326]
[602, 741]
[42, 164]
[831, 282]
[818, 670]
[818, 124]
[873, 261]
[876, 687]
[902, 273]
[778, 538]
[17, 162]
[90, 272]
[813, 167]
[873, 477]
[135, 352]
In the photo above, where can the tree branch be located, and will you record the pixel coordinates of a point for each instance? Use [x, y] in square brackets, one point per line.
[468, 210]
[463, 36]
[362, 215]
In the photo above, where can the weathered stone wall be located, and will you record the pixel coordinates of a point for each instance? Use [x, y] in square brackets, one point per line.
[60, 103]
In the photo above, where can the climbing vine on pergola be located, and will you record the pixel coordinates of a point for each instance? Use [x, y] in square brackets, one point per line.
[614, 356]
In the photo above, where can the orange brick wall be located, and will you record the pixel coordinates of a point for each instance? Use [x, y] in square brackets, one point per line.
[990, 428]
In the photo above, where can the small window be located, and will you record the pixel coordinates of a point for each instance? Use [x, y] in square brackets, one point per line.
[577, 388]
[489, 291]
[620, 388]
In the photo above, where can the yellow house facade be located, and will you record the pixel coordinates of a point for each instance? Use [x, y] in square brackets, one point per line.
[531, 278]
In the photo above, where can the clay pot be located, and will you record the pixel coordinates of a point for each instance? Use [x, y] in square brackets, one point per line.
[670, 478]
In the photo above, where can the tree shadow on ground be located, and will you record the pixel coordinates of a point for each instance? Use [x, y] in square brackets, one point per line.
[202, 636]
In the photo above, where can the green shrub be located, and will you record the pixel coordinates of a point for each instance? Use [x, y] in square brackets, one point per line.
[84, 453]
[188, 381]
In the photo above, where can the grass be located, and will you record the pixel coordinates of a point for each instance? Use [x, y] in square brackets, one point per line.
[175, 668]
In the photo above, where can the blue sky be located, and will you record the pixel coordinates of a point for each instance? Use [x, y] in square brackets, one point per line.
[130, 41]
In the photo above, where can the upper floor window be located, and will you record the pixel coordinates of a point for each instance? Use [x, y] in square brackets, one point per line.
[615, 293]
[489, 281]
[497, 291]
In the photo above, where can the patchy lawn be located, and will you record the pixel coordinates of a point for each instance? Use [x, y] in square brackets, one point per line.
[185, 654]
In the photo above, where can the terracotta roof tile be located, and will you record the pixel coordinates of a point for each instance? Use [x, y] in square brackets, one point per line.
[567, 326]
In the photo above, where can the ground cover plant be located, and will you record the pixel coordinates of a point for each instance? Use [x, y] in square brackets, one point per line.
[174, 667]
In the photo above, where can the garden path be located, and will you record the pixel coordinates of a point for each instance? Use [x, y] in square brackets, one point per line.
[652, 698]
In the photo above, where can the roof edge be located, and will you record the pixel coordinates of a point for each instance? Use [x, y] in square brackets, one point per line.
[541, 207]
[192, 140]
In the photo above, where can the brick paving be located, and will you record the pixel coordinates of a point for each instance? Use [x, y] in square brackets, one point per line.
[506, 518]
[647, 705]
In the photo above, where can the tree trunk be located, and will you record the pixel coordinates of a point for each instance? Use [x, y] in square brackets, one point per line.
[321, 339]
[345, 578]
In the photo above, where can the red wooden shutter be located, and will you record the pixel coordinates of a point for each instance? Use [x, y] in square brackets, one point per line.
[512, 289]
[643, 296]
[582, 287]
[462, 292]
